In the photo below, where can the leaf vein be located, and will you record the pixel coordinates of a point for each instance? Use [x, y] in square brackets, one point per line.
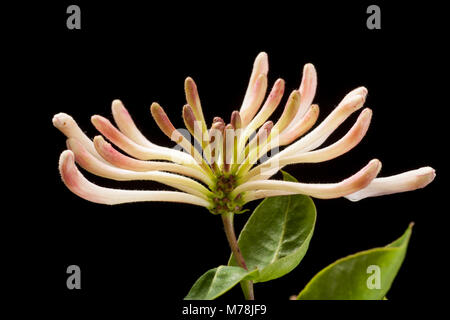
[283, 231]
[213, 279]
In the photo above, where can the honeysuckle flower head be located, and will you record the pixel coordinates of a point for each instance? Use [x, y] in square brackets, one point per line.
[222, 166]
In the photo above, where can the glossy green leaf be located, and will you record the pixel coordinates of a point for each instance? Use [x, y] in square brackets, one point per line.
[366, 275]
[217, 281]
[277, 235]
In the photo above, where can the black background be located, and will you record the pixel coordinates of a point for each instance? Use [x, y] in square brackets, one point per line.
[141, 54]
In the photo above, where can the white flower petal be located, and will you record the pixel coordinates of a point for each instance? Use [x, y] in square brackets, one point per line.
[318, 190]
[298, 128]
[93, 165]
[343, 145]
[318, 136]
[193, 100]
[127, 126]
[307, 90]
[117, 159]
[105, 127]
[79, 185]
[259, 194]
[271, 103]
[166, 126]
[351, 102]
[67, 125]
[256, 89]
[406, 181]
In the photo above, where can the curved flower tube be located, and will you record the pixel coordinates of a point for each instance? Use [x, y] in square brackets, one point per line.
[91, 164]
[78, 184]
[223, 174]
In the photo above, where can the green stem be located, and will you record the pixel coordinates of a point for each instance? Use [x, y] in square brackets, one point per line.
[247, 286]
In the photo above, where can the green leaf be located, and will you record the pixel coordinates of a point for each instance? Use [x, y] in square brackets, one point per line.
[217, 281]
[277, 235]
[354, 277]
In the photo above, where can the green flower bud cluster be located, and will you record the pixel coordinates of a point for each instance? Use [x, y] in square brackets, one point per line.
[221, 199]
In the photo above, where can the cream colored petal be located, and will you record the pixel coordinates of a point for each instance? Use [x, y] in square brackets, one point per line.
[260, 194]
[271, 103]
[285, 137]
[254, 149]
[127, 126]
[216, 134]
[191, 123]
[256, 89]
[251, 107]
[117, 159]
[194, 127]
[93, 165]
[193, 99]
[343, 145]
[228, 147]
[314, 139]
[166, 126]
[319, 135]
[289, 112]
[105, 127]
[406, 181]
[293, 132]
[85, 189]
[307, 90]
[323, 191]
[67, 125]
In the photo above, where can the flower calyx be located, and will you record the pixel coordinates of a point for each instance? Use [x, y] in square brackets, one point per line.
[222, 199]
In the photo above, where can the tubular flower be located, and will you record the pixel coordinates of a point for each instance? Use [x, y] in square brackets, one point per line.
[224, 166]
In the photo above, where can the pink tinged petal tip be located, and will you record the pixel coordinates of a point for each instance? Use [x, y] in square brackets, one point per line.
[91, 164]
[264, 132]
[403, 182]
[236, 120]
[343, 145]
[217, 126]
[127, 126]
[360, 91]
[289, 112]
[104, 126]
[259, 140]
[293, 132]
[272, 102]
[193, 99]
[117, 159]
[192, 124]
[163, 122]
[351, 103]
[266, 111]
[218, 119]
[67, 125]
[322, 191]
[250, 107]
[197, 128]
[85, 189]
[169, 130]
[256, 88]
[114, 157]
[307, 89]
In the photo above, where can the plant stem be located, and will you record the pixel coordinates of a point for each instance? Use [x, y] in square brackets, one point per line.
[247, 285]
